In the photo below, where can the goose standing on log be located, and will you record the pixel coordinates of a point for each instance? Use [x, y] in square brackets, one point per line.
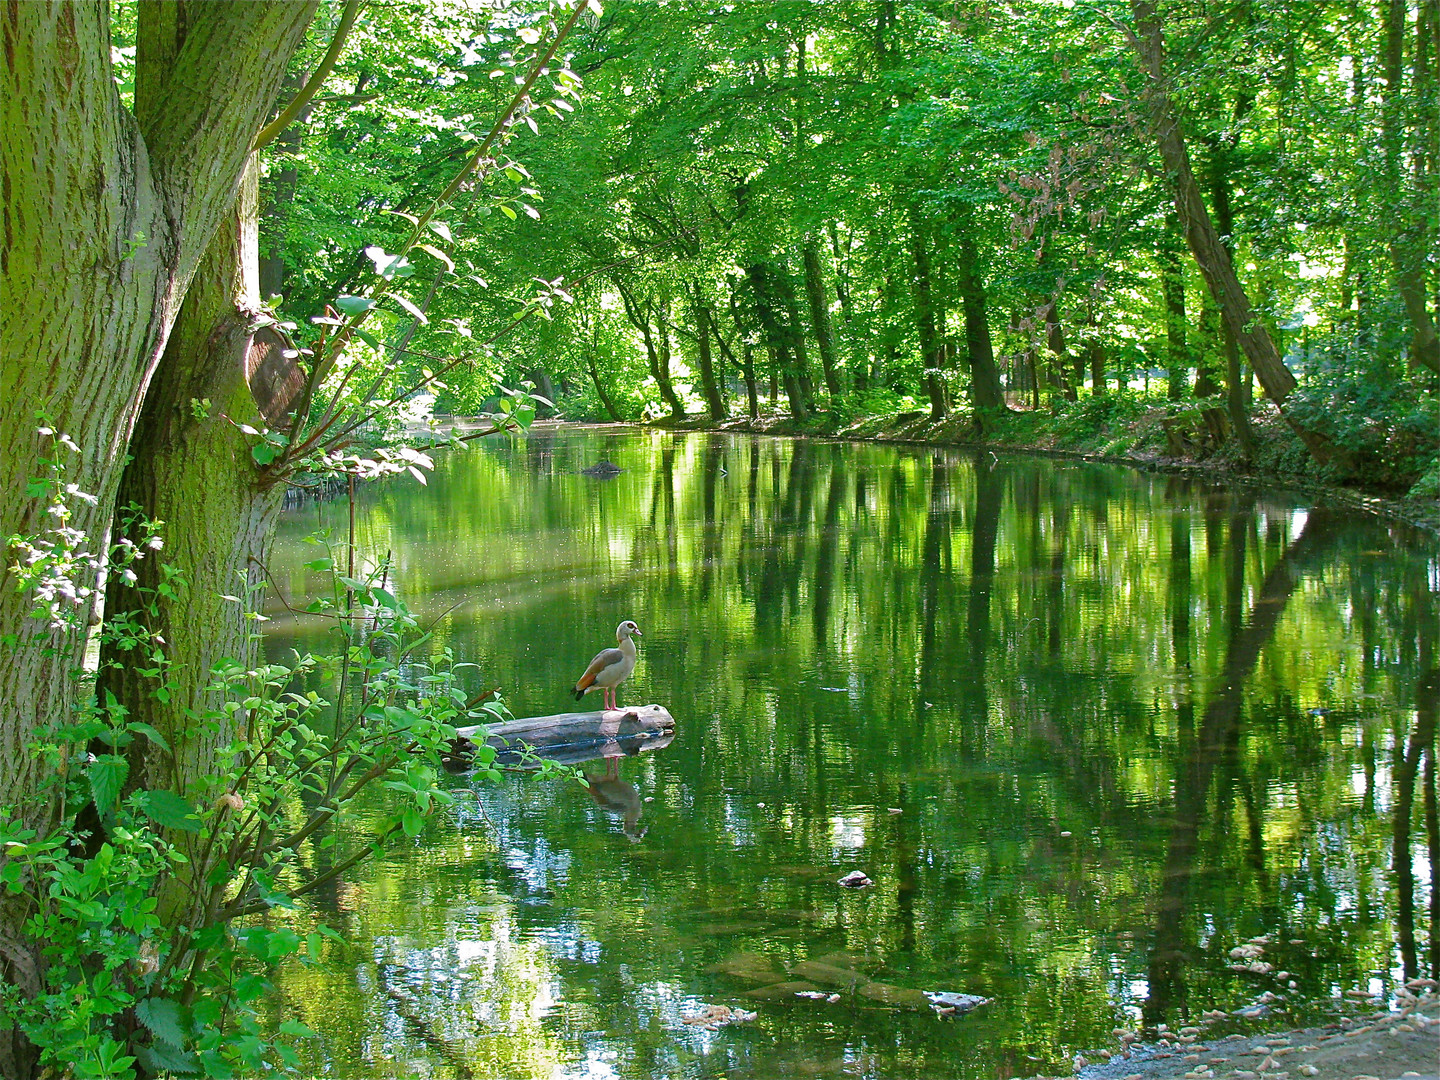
[610, 667]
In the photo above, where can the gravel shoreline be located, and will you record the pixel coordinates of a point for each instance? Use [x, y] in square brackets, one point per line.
[1386, 1045]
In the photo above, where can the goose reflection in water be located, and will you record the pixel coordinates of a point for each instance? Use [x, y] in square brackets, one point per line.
[616, 796]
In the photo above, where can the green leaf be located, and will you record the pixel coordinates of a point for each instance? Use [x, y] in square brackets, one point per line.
[264, 453]
[509, 211]
[170, 810]
[410, 307]
[431, 249]
[442, 230]
[282, 942]
[296, 1029]
[150, 733]
[107, 776]
[369, 339]
[161, 1018]
[354, 305]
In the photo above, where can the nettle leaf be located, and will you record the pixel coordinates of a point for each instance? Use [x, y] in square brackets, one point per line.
[107, 776]
[354, 305]
[170, 810]
[161, 1018]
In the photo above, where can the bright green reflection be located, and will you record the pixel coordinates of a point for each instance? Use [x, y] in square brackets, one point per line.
[1086, 729]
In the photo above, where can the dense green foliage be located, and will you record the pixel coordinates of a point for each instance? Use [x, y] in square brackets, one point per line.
[847, 208]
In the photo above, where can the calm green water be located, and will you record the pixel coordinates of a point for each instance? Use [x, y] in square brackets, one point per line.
[1086, 729]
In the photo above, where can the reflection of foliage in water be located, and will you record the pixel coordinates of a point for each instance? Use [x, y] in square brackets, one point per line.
[1028, 659]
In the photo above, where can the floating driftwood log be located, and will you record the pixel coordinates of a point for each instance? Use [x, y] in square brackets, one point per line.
[570, 738]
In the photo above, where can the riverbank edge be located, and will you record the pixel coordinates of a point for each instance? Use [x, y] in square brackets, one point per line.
[908, 429]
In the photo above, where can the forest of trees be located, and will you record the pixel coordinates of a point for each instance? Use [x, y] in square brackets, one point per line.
[858, 209]
[239, 237]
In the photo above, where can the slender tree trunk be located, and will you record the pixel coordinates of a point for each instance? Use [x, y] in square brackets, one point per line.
[1206, 385]
[931, 354]
[747, 363]
[985, 389]
[820, 317]
[1236, 378]
[1204, 242]
[1055, 341]
[661, 356]
[710, 387]
[1410, 245]
[778, 338]
[794, 329]
[1172, 283]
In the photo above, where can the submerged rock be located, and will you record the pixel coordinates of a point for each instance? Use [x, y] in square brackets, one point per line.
[753, 967]
[897, 997]
[782, 991]
[603, 470]
[826, 975]
[854, 880]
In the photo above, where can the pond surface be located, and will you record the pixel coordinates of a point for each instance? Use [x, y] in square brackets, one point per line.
[1086, 729]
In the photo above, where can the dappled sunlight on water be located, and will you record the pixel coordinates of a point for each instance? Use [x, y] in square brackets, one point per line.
[1085, 729]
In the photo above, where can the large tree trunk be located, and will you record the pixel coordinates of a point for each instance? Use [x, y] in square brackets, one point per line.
[107, 216]
[1204, 242]
[191, 468]
[135, 200]
[820, 317]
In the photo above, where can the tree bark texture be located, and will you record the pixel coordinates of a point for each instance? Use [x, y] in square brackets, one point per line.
[196, 475]
[1200, 234]
[106, 217]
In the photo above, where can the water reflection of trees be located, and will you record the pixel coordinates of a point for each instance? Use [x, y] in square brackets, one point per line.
[1127, 722]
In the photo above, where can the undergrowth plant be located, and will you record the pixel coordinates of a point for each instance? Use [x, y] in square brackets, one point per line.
[159, 914]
